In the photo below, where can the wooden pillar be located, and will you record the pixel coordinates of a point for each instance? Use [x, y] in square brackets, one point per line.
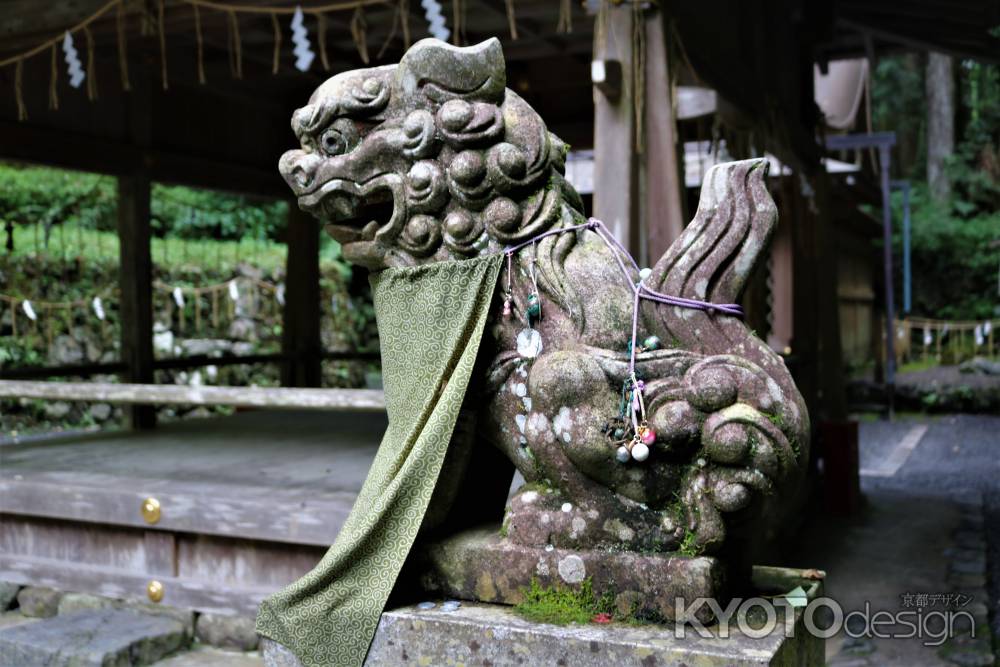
[136, 284]
[638, 182]
[816, 319]
[616, 182]
[301, 329]
[661, 204]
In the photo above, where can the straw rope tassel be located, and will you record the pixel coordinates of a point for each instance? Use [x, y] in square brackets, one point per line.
[236, 46]
[277, 44]
[458, 19]
[565, 23]
[199, 45]
[404, 18]
[53, 80]
[22, 110]
[392, 33]
[91, 66]
[163, 44]
[511, 23]
[122, 46]
[359, 33]
[321, 37]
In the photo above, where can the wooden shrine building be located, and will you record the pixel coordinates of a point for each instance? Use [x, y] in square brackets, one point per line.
[200, 92]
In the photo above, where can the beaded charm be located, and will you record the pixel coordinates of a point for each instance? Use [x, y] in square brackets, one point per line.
[534, 310]
[507, 295]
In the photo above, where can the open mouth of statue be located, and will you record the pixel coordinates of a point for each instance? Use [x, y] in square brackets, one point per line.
[359, 213]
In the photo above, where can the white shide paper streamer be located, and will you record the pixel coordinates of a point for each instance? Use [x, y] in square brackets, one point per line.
[178, 297]
[76, 73]
[435, 22]
[29, 311]
[300, 37]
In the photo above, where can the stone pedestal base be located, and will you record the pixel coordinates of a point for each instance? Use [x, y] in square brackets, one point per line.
[486, 634]
[479, 634]
[479, 565]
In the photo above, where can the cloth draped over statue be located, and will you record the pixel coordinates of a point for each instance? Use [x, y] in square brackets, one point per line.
[431, 320]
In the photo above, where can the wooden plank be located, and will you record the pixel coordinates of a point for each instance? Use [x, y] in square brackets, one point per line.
[368, 400]
[261, 513]
[288, 478]
[161, 553]
[109, 582]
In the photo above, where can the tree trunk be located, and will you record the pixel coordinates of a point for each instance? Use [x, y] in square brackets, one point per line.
[940, 122]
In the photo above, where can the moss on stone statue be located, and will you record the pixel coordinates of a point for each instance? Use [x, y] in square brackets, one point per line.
[689, 545]
[561, 605]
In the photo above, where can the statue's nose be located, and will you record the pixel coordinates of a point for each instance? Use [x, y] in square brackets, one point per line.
[299, 170]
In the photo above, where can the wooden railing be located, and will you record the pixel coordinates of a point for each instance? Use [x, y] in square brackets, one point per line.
[368, 400]
[919, 338]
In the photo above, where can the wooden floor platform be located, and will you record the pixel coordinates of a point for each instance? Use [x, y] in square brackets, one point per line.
[246, 504]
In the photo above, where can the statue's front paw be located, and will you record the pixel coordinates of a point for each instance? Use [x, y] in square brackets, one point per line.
[744, 454]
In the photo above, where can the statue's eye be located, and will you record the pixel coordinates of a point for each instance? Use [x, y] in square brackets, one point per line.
[333, 142]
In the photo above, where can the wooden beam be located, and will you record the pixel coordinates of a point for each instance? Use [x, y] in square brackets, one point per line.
[300, 335]
[31, 143]
[366, 400]
[136, 285]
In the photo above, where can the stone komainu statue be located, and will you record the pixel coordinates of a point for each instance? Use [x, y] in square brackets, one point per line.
[433, 160]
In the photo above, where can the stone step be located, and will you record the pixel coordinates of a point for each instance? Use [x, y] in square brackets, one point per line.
[206, 656]
[97, 637]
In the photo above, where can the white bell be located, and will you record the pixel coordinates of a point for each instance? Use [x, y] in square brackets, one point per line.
[640, 452]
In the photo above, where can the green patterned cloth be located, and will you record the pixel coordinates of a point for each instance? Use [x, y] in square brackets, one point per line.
[430, 321]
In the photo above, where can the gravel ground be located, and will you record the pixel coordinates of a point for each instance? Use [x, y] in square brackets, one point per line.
[958, 458]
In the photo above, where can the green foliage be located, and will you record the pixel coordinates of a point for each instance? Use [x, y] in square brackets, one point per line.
[689, 545]
[898, 104]
[50, 197]
[974, 169]
[954, 269]
[561, 605]
[73, 242]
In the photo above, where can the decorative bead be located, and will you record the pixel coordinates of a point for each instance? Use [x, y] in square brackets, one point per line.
[534, 307]
[647, 435]
[506, 308]
[619, 434]
[651, 343]
[622, 455]
[640, 452]
[644, 273]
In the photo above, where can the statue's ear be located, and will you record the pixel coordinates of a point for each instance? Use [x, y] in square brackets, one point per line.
[444, 72]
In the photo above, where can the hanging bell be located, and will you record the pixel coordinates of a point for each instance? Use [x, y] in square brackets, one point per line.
[622, 455]
[506, 308]
[640, 452]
